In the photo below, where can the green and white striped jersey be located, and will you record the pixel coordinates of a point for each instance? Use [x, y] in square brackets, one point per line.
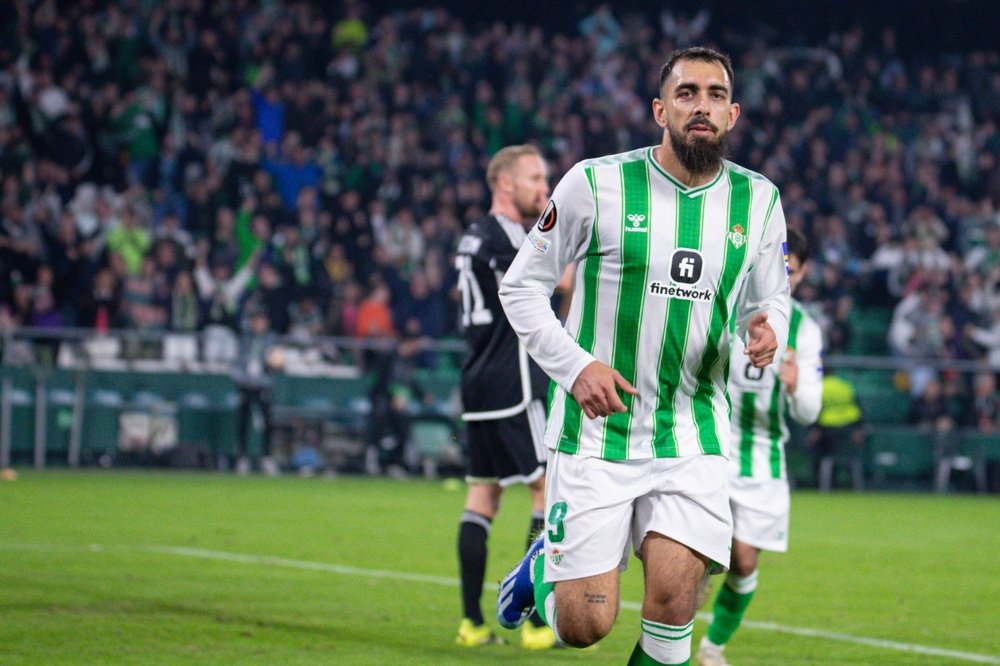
[762, 405]
[660, 271]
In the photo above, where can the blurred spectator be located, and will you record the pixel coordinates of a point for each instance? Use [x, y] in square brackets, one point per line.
[129, 240]
[932, 410]
[839, 434]
[254, 382]
[983, 410]
[374, 316]
[336, 141]
[100, 307]
[185, 312]
[989, 339]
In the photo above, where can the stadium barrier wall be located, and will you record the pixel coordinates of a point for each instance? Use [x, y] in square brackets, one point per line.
[72, 397]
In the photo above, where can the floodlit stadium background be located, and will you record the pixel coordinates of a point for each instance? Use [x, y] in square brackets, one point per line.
[150, 152]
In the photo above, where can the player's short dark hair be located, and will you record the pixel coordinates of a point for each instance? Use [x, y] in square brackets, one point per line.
[702, 53]
[798, 245]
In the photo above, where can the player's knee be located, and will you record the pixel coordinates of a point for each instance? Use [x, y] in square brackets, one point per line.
[584, 630]
[743, 562]
[741, 567]
[676, 608]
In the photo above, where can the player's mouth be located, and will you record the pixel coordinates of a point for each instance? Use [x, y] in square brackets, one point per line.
[701, 127]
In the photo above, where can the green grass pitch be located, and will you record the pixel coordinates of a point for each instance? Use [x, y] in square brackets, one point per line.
[121, 567]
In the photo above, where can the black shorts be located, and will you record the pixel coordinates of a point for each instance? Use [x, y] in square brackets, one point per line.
[508, 450]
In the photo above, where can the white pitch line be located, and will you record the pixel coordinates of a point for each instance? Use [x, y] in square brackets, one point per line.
[306, 565]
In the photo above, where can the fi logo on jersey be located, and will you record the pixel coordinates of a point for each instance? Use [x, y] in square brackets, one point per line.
[685, 269]
[685, 266]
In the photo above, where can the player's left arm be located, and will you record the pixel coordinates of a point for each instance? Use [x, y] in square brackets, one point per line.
[766, 289]
[805, 400]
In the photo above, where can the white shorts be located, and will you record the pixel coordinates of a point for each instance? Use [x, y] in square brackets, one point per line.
[760, 512]
[596, 509]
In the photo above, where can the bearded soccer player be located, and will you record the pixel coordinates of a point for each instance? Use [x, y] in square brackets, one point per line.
[502, 389]
[671, 243]
[763, 401]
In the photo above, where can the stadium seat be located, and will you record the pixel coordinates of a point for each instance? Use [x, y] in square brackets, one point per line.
[433, 441]
[869, 328]
[901, 456]
[968, 454]
[180, 352]
[881, 403]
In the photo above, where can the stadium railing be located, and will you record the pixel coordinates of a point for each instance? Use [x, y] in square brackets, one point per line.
[73, 396]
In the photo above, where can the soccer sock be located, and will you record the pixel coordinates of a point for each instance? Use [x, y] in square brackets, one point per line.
[662, 644]
[730, 605]
[545, 596]
[534, 531]
[473, 530]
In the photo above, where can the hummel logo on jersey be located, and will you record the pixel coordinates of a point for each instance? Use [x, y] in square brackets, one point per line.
[685, 266]
[637, 222]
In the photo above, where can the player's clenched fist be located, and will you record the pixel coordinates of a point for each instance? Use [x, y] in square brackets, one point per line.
[762, 342]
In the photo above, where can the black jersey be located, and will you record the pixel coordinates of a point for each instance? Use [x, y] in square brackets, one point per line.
[498, 377]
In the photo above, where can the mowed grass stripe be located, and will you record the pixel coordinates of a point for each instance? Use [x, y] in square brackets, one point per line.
[910, 569]
[339, 569]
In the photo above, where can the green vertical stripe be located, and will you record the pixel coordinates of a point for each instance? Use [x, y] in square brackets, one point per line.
[748, 413]
[631, 295]
[793, 327]
[739, 217]
[569, 441]
[675, 333]
[777, 405]
[774, 428]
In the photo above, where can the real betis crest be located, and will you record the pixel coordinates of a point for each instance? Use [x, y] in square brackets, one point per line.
[736, 236]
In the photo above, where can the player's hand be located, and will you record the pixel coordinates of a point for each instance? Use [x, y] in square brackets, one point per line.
[596, 390]
[789, 372]
[762, 341]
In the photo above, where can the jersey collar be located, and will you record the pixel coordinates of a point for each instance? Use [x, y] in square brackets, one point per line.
[689, 191]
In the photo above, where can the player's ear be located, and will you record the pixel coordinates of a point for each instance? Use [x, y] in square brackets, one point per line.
[660, 112]
[734, 113]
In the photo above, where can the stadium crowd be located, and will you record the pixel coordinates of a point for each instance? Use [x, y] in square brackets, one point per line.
[177, 164]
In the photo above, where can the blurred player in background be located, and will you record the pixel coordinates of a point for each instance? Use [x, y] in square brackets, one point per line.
[763, 401]
[502, 388]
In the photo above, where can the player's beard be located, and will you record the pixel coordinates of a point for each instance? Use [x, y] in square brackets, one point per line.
[529, 210]
[701, 156]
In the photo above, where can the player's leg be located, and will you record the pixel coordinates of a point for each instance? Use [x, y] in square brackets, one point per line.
[731, 603]
[571, 575]
[760, 522]
[473, 533]
[685, 528]
[583, 611]
[672, 573]
[535, 634]
[268, 464]
[481, 505]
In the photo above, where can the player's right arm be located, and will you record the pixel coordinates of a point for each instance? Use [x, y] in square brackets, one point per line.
[559, 239]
